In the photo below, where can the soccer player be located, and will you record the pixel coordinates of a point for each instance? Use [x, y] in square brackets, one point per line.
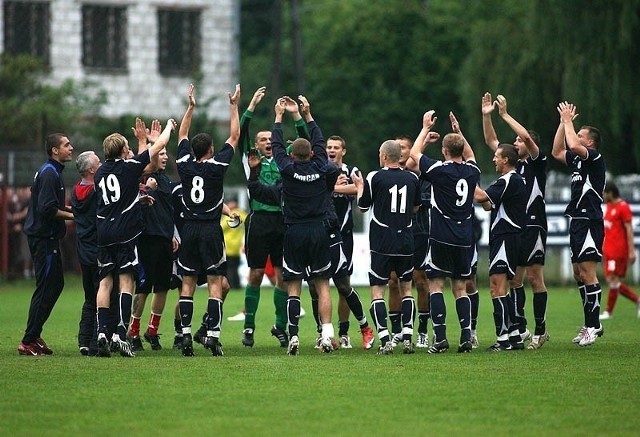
[45, 228]
[586, 230]
[618, 248]
[421, 228]
[394, 195]
[451, 243]
[202, 248]
[119, 223]
[306, 241]
[156, 245]
[532, 167]
[506, 198]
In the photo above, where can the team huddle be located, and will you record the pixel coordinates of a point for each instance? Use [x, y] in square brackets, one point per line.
[141, 233]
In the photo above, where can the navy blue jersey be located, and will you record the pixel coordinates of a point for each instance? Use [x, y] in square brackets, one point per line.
[452, 187]
[119, 218]
[587, 185]
[304, 183]
[83, 205]
[343, 204]
[176, 199]
[393, 193]
[534, 173]
[47, 197]
[202, 191]
[158, 218]
[421, 217]
[508, 196]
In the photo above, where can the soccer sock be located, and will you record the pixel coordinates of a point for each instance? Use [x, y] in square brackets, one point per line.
[214, 309]
[423, 321]
[628, 293]
[280, 303]
[612, 297]
[519, 299]
[408, 314]
[134, 327]
[511, 308]
[475, 305]
[378, 311]
[251, 300]
[316, 314]
[463, 308]
[501, 317]
[438, 316]
[327, 330]
[592, 308]
[395, 317]
[343, 328]
[154, 323]
[355, 305]
[186, 313]
[293, 313]
[583, 296]
[540, 312]
[177, 326]
[125, 314]
[103, 318]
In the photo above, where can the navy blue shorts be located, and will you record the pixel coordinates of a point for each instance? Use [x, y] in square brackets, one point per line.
[306, 252]
[585, 240]
[202, 250]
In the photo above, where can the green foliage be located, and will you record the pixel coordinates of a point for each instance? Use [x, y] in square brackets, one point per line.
[261, 391]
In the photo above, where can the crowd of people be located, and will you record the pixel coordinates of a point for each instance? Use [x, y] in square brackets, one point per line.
[141, 233]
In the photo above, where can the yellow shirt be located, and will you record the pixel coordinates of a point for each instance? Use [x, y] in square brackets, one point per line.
[233, 237]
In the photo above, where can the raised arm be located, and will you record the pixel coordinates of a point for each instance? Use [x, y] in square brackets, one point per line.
[163, 139]
[301, 127]
[520, 130]
[305, 108]
[185, 124]
[234, 122]
[490, 137]
[245, 140]
[428, 120]
[467, 152]
[567, 114]
[558, 151]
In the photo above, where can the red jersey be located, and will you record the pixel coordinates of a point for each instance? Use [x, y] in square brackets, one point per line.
[615, 235]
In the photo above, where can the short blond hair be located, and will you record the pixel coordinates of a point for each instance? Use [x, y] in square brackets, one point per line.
[113, 145]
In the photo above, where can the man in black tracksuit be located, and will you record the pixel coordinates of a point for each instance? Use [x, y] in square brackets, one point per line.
[45, 227]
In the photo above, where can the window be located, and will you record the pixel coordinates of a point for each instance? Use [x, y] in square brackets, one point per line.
[26, 29]
[179, 41]
[104, 37]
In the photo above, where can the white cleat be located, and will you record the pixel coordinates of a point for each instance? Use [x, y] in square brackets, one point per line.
[396, 340]
[605, 315]
[538, 340]
[294, 345]
[475, 344]
[237, 318]
[345, 342]
[578, 338]
[591, 335]
[423, 341]
[526, 335]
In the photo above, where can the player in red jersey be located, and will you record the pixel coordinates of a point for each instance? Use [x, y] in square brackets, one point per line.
[618, 249]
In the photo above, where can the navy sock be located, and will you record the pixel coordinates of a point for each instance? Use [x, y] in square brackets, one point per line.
[438, 316]
[463, 308]
[293, 314]
[540, 312]
[185, 303]
[408, 314]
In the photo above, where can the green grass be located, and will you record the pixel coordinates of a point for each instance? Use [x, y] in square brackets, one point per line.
[560, 389]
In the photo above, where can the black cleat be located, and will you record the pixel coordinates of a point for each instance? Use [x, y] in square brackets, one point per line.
[281, 335]
[465, 347]
[214, 345]
[500, 346]
[154, 340]
[103, 347]
[136, 342]
[187, 345]
[200, 336]
[439, 347]
[247, 337]
[177, 341]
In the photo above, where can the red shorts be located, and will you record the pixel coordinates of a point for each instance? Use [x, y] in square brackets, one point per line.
[616, 266]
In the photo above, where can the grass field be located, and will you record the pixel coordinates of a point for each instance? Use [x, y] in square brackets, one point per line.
[560, 389]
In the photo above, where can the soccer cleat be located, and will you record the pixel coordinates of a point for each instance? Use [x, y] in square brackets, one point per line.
[475, 344]
[247, 337]
[516, 342]
[345, 342]
[605, 315]
[187, 345]
[396, 339]
[368, 338]
[591, 335]
[438, 347]
[293, 346]
[423, 340]
[526, 335]
[126, 350]
[281, 335]
[302, 313]
[500, 346]
[407, 347]
[201, 335]
[84, 351]
[104, 350]
[538, 340]
[136, 342]
[318, 340]
[177, 341]
[327, 345]
[29, 349]
[42, 346]
[114, 345]
[580, 335]
[387, 349]
[213, 344]
[237, 318]
[154, 340]
[465, 347]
